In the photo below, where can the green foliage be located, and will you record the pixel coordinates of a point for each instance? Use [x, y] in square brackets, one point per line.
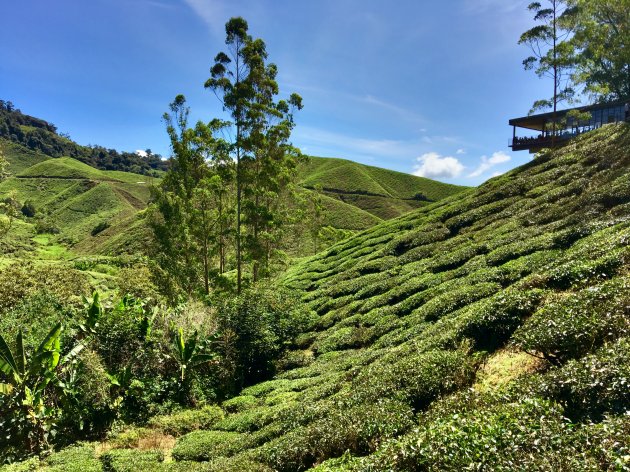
[130, 460]
[592, 386]
[601, 38]
[254, 330]
[28, 209]
[28, 393]
[492, 323]
[206, 445]
[186, 421]
[574, 324]
[102, 226]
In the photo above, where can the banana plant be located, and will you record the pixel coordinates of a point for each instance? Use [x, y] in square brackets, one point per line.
[186, 355]
[24, 379]
[93, 312]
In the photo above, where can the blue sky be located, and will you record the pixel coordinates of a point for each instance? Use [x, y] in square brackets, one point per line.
[418, 86]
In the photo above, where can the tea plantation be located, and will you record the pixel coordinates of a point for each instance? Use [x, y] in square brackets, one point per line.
[487, 331]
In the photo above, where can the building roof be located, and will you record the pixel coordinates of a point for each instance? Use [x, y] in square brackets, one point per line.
[537, 122]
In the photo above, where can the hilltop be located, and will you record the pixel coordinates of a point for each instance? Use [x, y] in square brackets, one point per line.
[383, 193]
[483, 331]
[42, 137]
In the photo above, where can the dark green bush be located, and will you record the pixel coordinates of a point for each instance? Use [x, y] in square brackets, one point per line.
[46, 226]
[91, 409]
[79, 458]
[415, 378]
[592, 386]
[471, 432]
[28, 209]
[491, 323]
[255, 329]
[102, 226]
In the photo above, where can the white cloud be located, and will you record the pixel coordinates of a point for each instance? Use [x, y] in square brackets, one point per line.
[460, 151]
[487, 163]
[432, 165]
[141, 153]
[212, 13]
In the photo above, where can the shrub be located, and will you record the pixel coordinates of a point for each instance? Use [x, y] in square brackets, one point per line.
[46, 226]
[417, 379]
[491, 323]
[206, 445]
[185, 421]
[79, 458]
[90, 411]
[590, 387]
[255, 329]
[575, 323]
[240, 403]
[28, 209]
[471, 432]
[130, 460]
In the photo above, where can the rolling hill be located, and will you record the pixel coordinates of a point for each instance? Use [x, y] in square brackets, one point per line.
[71, 199]
[75, 198]
[487, 331]
[383, 193]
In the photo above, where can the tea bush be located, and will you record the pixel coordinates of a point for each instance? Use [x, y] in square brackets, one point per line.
[575, 323]
[206, 445]
[185, 421]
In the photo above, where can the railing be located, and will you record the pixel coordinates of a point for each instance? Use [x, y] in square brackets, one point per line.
[527, 142]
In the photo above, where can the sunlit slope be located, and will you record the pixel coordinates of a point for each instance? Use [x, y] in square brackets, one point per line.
[20, 157]
[416, 311]
[75, 198]
[381, 192]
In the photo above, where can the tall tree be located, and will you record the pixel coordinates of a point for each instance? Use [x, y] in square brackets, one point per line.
[552, 54]
[229, 80]
[602, 38]
[190, 208]
[246, 87]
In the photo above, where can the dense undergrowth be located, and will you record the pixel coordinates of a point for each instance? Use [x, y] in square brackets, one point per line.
[410, 315]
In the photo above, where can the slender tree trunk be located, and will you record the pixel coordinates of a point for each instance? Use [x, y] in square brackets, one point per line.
[239, 117]
[555, 78]
[238, 215]
[221, 233]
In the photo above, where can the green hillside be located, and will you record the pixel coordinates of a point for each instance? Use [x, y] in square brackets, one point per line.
[71, 199]
[20, 157]
[488, 331]
[354, 197]
[381, 192]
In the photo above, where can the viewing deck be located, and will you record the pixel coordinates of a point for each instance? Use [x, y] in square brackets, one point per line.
[567, 126]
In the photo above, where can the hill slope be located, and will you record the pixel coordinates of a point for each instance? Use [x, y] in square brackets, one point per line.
[356, 197]
[381, 192]
[416, 311]
[71, 198]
